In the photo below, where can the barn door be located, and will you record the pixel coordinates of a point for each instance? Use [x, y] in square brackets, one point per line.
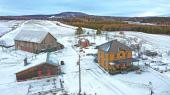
[48, 72]
[39, 72]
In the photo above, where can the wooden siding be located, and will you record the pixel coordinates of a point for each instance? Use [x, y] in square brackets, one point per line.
[104, 58]
[48, 42]
[33, 72]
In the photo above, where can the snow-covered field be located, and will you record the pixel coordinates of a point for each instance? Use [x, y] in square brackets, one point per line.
[7, 26]
[94, 79]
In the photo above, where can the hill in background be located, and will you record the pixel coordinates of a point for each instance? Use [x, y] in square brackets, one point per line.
[156, 25]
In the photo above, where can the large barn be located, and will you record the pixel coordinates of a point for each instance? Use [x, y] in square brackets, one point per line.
[114, 56]
[36, 41]
[38, 68]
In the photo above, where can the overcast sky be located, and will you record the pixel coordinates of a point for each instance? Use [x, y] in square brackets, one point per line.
[94, 7]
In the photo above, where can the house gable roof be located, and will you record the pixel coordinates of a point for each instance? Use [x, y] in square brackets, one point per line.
[40, 59]
[31, 36]
[113, 46]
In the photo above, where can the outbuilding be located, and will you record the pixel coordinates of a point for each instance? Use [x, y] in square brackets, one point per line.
[38, 68]
[36, 41]
[83, 42]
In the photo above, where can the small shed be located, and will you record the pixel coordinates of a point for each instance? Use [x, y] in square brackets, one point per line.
[39, 68]
[84, 42]
[151, 53]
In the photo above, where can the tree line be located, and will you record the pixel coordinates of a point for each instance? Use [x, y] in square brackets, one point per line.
[117, 26]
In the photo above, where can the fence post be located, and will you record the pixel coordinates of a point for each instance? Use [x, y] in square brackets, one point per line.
[29, 89]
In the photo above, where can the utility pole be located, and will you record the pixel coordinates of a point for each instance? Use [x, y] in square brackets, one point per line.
[106, 36]
[138, 49]
[54, 83]
[61, 84]
[79, 76]
[29, 89]
[151, 89]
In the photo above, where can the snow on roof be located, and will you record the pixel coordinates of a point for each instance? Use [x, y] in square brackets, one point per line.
[83, 40]
[112, 46]
[105, 46]
[39, 59]
[31, 36]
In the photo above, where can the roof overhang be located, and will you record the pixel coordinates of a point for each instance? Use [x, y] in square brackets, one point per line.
[126, 60]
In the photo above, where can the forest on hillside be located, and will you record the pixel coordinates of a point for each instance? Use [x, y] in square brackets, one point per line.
[110, 25]
[155, 20]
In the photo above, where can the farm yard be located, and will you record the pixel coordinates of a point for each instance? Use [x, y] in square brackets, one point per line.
[152, 51]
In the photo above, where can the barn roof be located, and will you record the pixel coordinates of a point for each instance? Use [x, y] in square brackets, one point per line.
[113, 46]
[31, 36]
[38, 60]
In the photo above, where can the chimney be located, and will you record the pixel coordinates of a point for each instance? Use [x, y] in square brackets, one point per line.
[48, 56]
[25, 61]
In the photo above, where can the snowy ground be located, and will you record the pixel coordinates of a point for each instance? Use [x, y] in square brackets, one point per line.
[94, 79]
[10, 30]
[6, 26]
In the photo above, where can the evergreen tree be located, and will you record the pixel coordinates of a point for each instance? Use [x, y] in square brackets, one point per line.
[79, 31]
[98, 32]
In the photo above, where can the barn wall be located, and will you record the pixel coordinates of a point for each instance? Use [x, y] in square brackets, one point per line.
[49, 39]
[33, 72]
[48, 42]
[26, 46]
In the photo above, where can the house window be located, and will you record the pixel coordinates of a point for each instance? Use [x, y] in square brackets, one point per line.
[121, 54]
[121, 49]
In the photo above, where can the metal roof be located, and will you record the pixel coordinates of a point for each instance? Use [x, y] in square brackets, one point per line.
[31, 36]
[113, 46]
[44, 58]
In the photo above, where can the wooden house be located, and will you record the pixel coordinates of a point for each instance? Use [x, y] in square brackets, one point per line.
[37, 69]
[36, 41]
[113, 56]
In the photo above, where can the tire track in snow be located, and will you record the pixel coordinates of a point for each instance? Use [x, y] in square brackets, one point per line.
[106, 78]
[98, 73]
[87, 83]
[158, 75]
[105, 82]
